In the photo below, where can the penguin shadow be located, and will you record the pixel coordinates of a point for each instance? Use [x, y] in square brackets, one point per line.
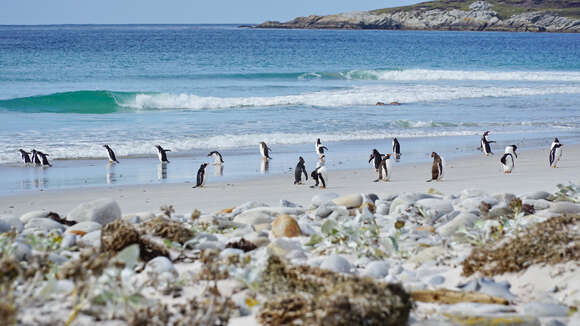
[39, 180]
[111, 175]
[162, 171]
[265, 166]
[218, 170]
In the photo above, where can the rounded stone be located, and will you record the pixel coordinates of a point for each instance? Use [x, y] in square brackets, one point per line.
[286, 226]
[564, 207]
[323, 198]
[349, 201]
[83, 228]
[44, 225]
[377, 269]
[160, 265]
[9, 222]
[337, 264]
[103, 211]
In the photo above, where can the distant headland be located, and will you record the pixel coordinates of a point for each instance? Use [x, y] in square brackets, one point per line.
[453, 15]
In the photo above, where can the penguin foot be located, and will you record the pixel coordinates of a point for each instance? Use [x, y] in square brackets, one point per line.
[322, 187]
[377, 180]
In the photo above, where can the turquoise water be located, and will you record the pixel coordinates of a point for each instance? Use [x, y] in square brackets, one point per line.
[66, 90]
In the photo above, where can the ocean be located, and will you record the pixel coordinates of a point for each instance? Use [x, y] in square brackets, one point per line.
[67, 90]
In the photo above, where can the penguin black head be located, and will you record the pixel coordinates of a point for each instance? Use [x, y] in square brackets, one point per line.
[300, 159]
[558, 145]
[23, 151]
[106, 146]
[486, 133]
[375, 151]
[556, 140]
[158, 147]
[515, 148]
[433, 154]
[318, 141]
[387, 156]
[203, 165]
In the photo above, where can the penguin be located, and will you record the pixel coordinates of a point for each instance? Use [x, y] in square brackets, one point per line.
[217, 157]
[555, 155]
[386, 168]
[35, 159]
[319, 147]
[377, 157]
[319, 174]
[25, 158]
[200, 176]
[396, 149]
[300, 169]
[111, 154]
[265, 150]
[162, 154]
[507, 160]
[436, 168]
[485, 144]
[44, 158]
[556, 141]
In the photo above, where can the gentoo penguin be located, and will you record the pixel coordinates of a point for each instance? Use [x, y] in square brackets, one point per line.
[265, 150]
[319, 147]
[556, 141]
[485, 144]
[111, 154]
[35, 159]
[436, 168]
[162, 154]
[555, 154]
[319, 174]
[25, 158]
[44, 158]
[377, 157]
[386, 168]
[217, 157]
[200, 176]
[396, 148]
[507, 160]
[300, 169]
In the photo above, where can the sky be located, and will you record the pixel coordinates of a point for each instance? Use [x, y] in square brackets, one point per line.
[15, 12]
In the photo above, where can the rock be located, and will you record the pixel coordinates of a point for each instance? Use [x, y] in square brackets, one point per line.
[260, 239]
[92, 239]
[283, 246]
[472, 193]
[285, 203]
[490, 287]
[349, 201]
[436, 280]
[337, 264]
[377, 269]
[247, 206]
[323, 198]
[102, 211]
[435, 207]
[83, 228]
[160, 265]
[338, 212]
[8, 222]
[539, 204]
[34, 214]
[43, 225]
[563, 207]
[263, 227]
[499, 210]
[540, 309]
[227, 252]
[461, 319]
[69, 240]
[462, 220]
[56, 259]
[285, 226]
[253, 218]
[505, 197]
[137, 218]
[323, 211]
[536, 195]
[21, 250]
[427, 254]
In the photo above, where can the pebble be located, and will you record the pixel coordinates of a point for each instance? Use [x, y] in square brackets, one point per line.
[564, 207]
[286, 203]
[42, 225]
[427, 254]
[137, 218]
[103, 211]
[283, 246]
[436, 280]
[536, 195]
[84, 227]
[160, 265]
[337, 264]
[285, 226]
[22, 251]
[462, 220]
[489, 286]
[322, 198]
[377, 269]
[7, 222]
[323, 211]
[253, 218]
[349, 201]
[33, 214]
[435, 208]
[68, 240]
[542, 309]
[92, 239]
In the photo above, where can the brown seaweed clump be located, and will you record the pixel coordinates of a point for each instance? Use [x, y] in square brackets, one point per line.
[312, 296]
[119, 234]
[242, 244]
[551, 242]
[55, 217]
[168, 229]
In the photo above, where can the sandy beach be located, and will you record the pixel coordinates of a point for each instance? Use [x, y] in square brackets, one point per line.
[479, 172]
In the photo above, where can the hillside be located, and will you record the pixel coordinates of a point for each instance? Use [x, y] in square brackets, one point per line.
[491, 15]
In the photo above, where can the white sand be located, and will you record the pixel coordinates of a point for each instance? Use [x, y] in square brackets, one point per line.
[530, 174]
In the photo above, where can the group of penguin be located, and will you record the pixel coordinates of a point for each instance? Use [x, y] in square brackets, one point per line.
[382, 162]
[508, 158]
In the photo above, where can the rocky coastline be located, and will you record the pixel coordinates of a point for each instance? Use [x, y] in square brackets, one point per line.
[480, 16]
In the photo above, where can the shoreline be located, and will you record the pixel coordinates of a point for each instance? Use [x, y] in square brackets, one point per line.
[475, 171]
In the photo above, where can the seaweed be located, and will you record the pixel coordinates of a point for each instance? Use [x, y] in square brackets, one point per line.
[168, 229]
